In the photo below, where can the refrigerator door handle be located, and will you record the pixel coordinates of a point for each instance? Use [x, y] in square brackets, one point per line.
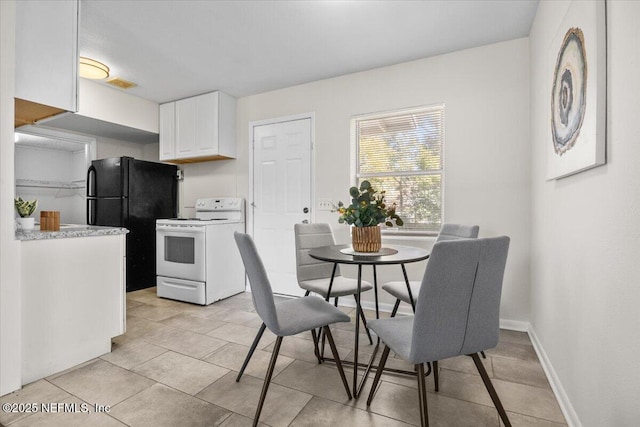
[91, 181]
[91, 217]
[91, 193]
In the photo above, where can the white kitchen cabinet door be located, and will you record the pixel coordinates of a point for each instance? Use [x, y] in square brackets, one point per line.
[47, 53]
[206, 125]
[186, 128]
[168, 131]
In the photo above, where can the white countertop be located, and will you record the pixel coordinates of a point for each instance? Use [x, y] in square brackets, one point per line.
[69, 231]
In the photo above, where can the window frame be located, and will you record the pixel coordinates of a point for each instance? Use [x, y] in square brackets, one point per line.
[355, 162]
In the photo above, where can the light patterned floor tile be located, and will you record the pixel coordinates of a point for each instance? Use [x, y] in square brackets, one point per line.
[281, 405]
[161, 406]
[181, 372]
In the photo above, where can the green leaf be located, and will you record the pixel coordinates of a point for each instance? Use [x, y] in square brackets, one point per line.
[25, 208]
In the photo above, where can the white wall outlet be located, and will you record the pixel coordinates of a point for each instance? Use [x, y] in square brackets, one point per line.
[325, 204]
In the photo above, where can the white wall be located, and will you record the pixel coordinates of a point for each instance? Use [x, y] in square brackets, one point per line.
[107, 147]
[10, 340]
[585, 291]
[53, 165]
[208, 179]
[485, 91]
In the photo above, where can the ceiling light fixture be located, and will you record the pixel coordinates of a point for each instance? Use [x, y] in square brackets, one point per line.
[92, 69]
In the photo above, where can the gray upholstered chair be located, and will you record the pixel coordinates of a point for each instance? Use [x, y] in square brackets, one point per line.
[315, 275]
[457, 312]
[399, 290]
[285, 318]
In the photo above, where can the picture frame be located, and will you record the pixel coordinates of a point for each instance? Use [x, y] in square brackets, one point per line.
[578, 91]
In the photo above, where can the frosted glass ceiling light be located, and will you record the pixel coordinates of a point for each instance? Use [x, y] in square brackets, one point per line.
[91, 69]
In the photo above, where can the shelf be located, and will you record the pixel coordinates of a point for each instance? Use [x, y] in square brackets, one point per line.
[61, 185]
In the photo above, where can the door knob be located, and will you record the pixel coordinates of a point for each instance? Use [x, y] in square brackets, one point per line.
[305, 221]
[305, 210]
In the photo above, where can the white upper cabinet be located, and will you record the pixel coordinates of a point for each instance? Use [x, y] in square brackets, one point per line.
[198, 129]
[47, 52]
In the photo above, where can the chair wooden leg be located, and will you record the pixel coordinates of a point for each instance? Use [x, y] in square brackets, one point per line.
[376, 379]
[395, 308]
[336, 357]
[256, 340]
[422, 395]
[267, 379]
[364, 323]
[436, 379]
[492, 391]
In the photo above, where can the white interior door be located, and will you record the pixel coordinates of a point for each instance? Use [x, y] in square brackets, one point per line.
[281, 196]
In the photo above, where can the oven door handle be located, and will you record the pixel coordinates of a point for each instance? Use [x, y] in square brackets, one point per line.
[173, 229]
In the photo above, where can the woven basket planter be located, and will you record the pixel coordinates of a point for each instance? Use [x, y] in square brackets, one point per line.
[366, 239]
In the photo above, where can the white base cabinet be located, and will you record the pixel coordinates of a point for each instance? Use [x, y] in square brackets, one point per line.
[73, 301]
[199, 128]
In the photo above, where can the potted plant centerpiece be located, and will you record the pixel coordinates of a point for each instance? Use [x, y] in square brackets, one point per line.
[365, 213]
[25, 209]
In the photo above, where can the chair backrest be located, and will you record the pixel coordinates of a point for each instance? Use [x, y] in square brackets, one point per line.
[457, 311]
[309, 236]
[458, 231]
[260, 287]
[483, 324]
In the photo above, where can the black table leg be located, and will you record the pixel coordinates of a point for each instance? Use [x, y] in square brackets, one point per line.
[375, 290]
[355, 354]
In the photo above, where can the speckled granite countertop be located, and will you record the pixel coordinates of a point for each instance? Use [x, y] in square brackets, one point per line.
[68, 231]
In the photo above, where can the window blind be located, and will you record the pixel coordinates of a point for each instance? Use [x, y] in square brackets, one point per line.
[401, 153]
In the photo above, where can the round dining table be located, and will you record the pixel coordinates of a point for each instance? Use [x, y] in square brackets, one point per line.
[388, 255]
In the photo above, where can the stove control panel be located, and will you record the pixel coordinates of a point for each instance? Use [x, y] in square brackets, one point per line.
[220, 204]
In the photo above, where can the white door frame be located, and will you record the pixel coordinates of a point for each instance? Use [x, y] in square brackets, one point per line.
[251, 195]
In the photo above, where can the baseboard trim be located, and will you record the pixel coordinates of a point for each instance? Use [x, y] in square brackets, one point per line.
[570, 415]
[514, 325]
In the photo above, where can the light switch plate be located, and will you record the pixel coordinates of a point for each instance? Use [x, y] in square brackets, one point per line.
[325, 204]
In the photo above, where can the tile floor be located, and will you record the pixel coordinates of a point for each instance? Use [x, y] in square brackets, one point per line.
[177, 363]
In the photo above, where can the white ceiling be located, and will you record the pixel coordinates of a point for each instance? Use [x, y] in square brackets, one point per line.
[176, 49]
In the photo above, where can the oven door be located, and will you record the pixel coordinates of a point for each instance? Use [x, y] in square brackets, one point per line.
[180, 252]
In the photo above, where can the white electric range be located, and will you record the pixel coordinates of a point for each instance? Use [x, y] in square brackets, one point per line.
[197, 259]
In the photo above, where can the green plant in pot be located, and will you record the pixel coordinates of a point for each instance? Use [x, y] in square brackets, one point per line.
[25, 209]
[366, 211]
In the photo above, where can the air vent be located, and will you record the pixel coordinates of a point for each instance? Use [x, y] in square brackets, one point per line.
[121, 83]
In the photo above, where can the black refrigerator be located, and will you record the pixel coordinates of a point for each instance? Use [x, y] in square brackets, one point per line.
[130, 193]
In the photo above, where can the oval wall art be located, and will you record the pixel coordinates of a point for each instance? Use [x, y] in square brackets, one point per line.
[568, 97]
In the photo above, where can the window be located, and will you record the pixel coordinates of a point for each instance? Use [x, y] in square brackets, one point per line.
[401, 153]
